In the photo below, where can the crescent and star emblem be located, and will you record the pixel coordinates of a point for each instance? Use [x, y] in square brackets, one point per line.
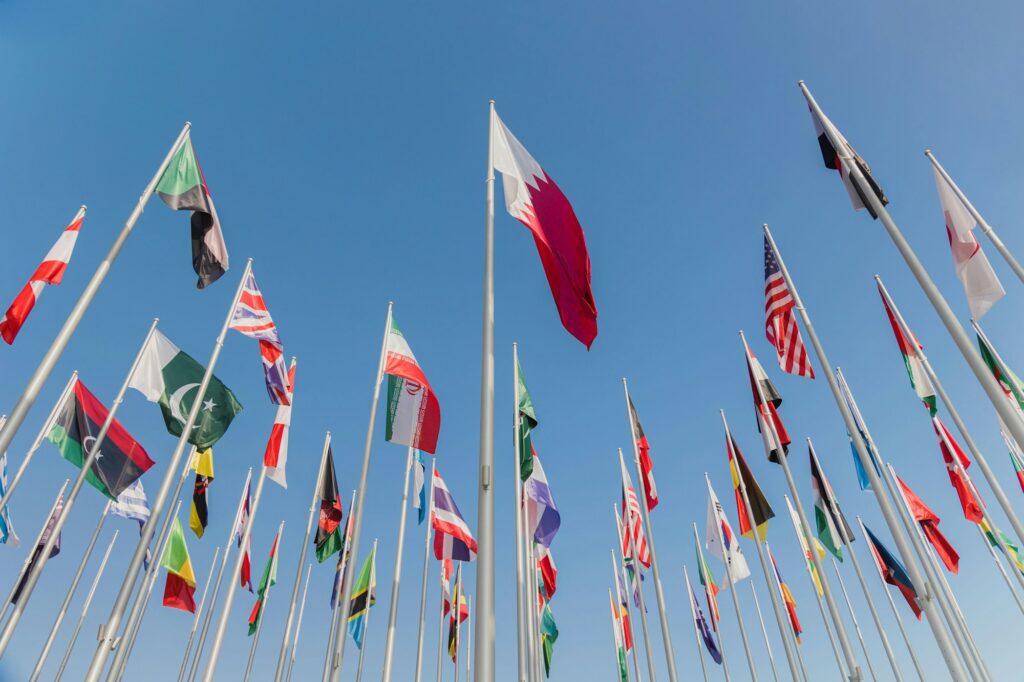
[174, 403]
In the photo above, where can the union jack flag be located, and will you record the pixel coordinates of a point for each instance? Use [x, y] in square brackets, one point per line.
[452, 537]
[252, 318]
[780, 323]
[632, 522]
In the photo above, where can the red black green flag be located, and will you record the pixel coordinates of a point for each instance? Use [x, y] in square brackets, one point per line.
[328, 530]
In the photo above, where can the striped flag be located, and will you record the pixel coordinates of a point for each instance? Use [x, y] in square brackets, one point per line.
[252, 318]
[910, 349]
[779, 321]
[760, 509]
[968, 494]
[631, 521]
[414, 415]
[542, 517]
[50, 271]
[133, 505]
[245, 575]
[646, 465]
[777, 440]
[452, 537]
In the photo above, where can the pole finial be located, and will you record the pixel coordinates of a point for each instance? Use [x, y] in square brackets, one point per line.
[927, 151]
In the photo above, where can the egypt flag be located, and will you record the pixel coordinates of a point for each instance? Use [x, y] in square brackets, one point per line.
[911, 351]
[251, 317]
[452, 537]
[199, 517]
[120, 460]
[958, 478]
[893, 572]
[328, 528]
[759, 507]
[275, 457]
[929, 522]
[776, 438]
[414, 415]
[180, 588]
[183, 188]
[50, 271]
[532, 198]
[828, 518]
[838, 155]
[646, 465]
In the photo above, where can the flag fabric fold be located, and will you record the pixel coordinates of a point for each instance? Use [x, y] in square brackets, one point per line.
[646, 465]
[542, 516]
[620, 648]
[267, 580]
[252, 318]
[929, 522]
[722, 542]
[548, 636]
[37, 551]
[969, 499]
[452, 537]
[805, 546]
[364, 595]
[180, 587]
[893, 572]
[780, 322]
[328, 530]
[759, 507]
[632, 522]
[787, 598]
[245, 572]
[910, 349]
[414, 415]
[419, 486]
[707, 581]
[702, 628]
[830, 523]
[527, 423]
[776, 441]
[7, 534]
[275, 457]
[548, 570]
[1003, 544]
[199, 516]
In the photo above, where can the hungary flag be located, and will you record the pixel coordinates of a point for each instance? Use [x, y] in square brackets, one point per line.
[120, 460]
[328, 529]
[180, 588]
[170, 377]
[183, 188]
[414, 415]
[910, 349]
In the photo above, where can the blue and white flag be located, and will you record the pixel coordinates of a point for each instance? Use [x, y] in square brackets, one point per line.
[132, 504]
[7, 534]
[542, 515]
[419, 474]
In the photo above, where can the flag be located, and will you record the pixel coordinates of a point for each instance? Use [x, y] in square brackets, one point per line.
[166, 375]
[969, 499]
[7, 534]
[245, 573]
[929, 522]
[199, 517]
[787, 597]
[722, 543]
[446, 578]
[759, 507]
[180, 588]
[1016, 457]
[776, 440]
[548, 636]
[533, 198]
[828, 518]
[419, 475]
[1003, 544]
[183, 188]
[646, 465]
[707, 581]
[364, 595]
[527, 423]
[414, 415]
[840, 156]
[275, 457]
[910, 349]
[548, 570]
[37, 551]
[620, 648]
[631, 521]
[805, 546]
[50, 271]
[858, 420]
[342, 565]
[542, 517]
[121, 459]
[702, 628]
[459, 599]
[267, 580]
[328, 532]
[981, 285]
[452, 537]
[251, 317]
[893, 572]
[132, 504]
[1004, 375]
[779, 321]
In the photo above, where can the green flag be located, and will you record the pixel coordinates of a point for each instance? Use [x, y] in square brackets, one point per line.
[269, 578]
[1004, 375]
[548, 636]
[527, 422]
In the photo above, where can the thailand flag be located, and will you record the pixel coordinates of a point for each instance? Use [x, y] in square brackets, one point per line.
[452, 538]
[542, 515]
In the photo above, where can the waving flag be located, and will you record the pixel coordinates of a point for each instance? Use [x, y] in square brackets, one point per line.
[245, 574]
[929, 522]
[911, 351]
[831, 524]
[364, 595]
[452, 537]
[707, 581]
[969, 499]
[252, 318]
[37, 551]
[548, 570]
[893, 572]
[862, 475]
[180, 588]
[759, 507]
[646, 465]
[542, 517]
[459, 599]
[721, 542]
[275, 457]
[1004, 544]
[268, 580]
[1011, 384]
[702, 627]
[132, 504]
[414, 415]
[419, 498]
[328, 529]
[199, 517]
[631, 521]
[50, 271]
[780, 322]
[1016, 457]
[787, 597]
[548, 636]
[617, 630]
[776, 441]
[805, 547]
[527, 423]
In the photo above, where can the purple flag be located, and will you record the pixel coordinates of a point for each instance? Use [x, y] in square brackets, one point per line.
[541, 512]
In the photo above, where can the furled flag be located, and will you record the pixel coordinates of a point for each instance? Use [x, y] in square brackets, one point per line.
[548, 636]
[446, 579]
[459, 599]
[893, 572]
[37, 551]
[275, 457]
[328, 529]
[342, 565]
[180, 588]
[759, 507]
[721, 542]
[780, 322]
[132, 504]
[364, 595]
[452, 537]
[267, 580]
[1011, 384]
[414, 415]
[548, 570]
[419, 477]
[981, 285]
[805, 547]
[199, 517]
[787, 597]
[632, 521]
[168, 376]
[533, 198]
[707, 581]
[120, 461]
[627, 630]
[858, 419]
[838, 155]
[1003, 544]
[911, 351]
[245, 573]
[969, 498]
[702, 627]
[646, 465]
[527, 423]
[50, 271]
[776, 440]
[252, 318]
[7, 534]
[542, 517]
[832, 526]
[1016, 457]
[617, 630]
[929, 522]
[183, 188]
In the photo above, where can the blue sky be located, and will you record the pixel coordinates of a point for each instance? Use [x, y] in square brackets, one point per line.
[345, 145]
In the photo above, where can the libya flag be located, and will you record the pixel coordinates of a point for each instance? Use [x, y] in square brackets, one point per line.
[527, 422]
[180, 588]
[269, 578]
[120, 460]
[170, 377]
[183, 188]
[328, 529]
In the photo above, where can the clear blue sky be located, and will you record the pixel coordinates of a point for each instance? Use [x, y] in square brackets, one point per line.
[345, 148]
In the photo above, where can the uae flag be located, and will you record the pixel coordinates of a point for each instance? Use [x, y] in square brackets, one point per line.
[180, 588]
[199, 517]
[910, 349]
[120, 460]
[168, 376]
[760, 509]
[183, 188]
[414, 415]
[646, 465]
[929, 522]
[831, 524]
[328, 529]
[776, 440]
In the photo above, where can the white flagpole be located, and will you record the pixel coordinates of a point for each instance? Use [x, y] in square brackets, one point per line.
[885, 504]
[346, 593]
[1002, 571]
[389, 641]
[85, 608]
[982, 223]
[336, 612]
[520, 586]
[263, 604]
[298, 624]
[456, 609]
[428, 522]
[696, 632]
[617, 633]
[220, 577]
[469, 636]
[711, 610]
[639, 586]
[313, 505]
[856, 624]
[620, 600]
[440, 627]
[776, 585]
[764, 631]
[198, 615]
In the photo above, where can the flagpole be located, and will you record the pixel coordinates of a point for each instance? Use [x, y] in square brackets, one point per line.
[536, 655]
[885, 505]
[616, 633]
[37, 671]
[776, 583]
[220, 577]
[389, 641]
[469, 635]
[429, 518]
[764, 631]
[440, 629]
[856, 626]
[520, 587]
[256, 635]
[329, 654]
[758, 539]
[343, 562]
[199, 612]
[282, 656]
[616, 573]
[639, 586]
[1002, 570]
[982, 223]
[457, 610]
[696, 632]
[298, 624]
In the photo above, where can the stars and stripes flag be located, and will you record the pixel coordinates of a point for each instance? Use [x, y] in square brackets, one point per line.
[779, 321]
[631, 521]
[252, 318]
[275, 457]
[245, 575]
[452, 537]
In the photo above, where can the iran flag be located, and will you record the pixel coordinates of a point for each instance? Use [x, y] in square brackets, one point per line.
[414, 415]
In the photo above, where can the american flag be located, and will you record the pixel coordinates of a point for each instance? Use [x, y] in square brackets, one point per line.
[780, 323]
[632, 522]
[252, 318]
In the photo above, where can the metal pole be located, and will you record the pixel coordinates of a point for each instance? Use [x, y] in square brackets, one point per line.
[85, 608]
[764, 631]
[520, 587]
[714, 621]
[999, 565]
[629, 614]
[337, 618]
[620, 600]
[389, 641]
[313, 505]
[329, 654]
[298, 624]
[256, 635]
[776, 584]
[458, 622]
[533, 617]
[440, 629]
[856, 624]
[885, 505]
[469, 637]
[639, 590]
[426, 566]
[696, 632]
[199, 613]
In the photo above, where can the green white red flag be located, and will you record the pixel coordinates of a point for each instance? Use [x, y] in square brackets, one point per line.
[910, 348]
[414, 415]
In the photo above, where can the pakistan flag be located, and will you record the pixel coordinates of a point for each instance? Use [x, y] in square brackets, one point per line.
[170, 377]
